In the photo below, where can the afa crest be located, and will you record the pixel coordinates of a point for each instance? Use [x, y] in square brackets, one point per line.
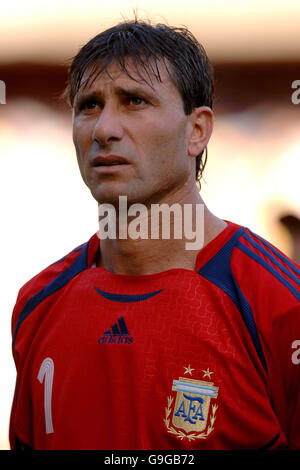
[191, 414]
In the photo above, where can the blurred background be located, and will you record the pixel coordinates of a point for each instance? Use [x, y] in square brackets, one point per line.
[252, 174]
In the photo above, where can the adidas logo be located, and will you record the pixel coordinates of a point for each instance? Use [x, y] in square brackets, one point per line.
[118, 334]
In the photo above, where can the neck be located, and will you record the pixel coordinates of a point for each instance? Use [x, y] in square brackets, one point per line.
[166, 241]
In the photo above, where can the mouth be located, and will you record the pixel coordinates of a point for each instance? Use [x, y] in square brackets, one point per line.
[109, 165]
[113, 166]
[109, 161]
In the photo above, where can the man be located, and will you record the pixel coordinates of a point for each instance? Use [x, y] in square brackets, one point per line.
[140, 343]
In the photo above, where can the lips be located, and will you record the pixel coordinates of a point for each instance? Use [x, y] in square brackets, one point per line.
[109, 160]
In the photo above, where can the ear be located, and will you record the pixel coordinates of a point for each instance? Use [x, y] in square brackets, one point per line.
[201, 120]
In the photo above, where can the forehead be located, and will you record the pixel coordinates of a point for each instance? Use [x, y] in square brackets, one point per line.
[153, 77]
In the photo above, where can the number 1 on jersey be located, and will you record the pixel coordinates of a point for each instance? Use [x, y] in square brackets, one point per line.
[46, 372]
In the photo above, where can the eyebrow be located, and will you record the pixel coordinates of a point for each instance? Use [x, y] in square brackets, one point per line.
[131, 90]
[136, 90]
[82, 98]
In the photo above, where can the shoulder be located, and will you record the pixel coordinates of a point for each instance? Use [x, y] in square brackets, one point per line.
[246, 260]
[262, 283]
[262, 267]
[270, 281]
[269, 284]
[49, 280]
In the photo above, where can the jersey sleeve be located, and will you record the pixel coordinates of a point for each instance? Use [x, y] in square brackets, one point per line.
[26, 319]
[17, 439]
[271, 283]
[286, 334]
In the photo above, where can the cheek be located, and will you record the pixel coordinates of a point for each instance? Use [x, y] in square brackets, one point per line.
[81, 138]
[169, 145]
[76, 138]
[81, 147]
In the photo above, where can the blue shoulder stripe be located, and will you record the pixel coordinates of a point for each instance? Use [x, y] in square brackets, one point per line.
[284, 258]
[218, 271]
[73, 251]
[60, 281]
[269, 268]
[273, 259]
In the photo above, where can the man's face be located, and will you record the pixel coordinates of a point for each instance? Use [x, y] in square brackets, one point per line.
[132, 139]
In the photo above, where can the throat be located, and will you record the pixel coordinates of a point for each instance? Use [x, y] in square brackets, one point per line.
[142, 258]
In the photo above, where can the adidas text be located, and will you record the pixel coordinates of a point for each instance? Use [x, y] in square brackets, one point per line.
[118, 339]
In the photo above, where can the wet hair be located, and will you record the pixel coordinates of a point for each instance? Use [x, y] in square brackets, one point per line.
[145, 44]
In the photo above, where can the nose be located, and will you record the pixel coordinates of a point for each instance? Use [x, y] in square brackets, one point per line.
[108, 126]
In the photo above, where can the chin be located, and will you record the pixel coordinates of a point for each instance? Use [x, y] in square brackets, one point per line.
[110, 193]
[108, 196]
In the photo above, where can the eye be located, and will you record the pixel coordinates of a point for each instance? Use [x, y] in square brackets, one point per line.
[136, 100]
[87, 105]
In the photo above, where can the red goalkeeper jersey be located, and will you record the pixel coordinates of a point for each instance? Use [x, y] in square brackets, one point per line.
[204, 359]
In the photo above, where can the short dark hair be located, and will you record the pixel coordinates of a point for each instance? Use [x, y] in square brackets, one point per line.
[184, 57]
